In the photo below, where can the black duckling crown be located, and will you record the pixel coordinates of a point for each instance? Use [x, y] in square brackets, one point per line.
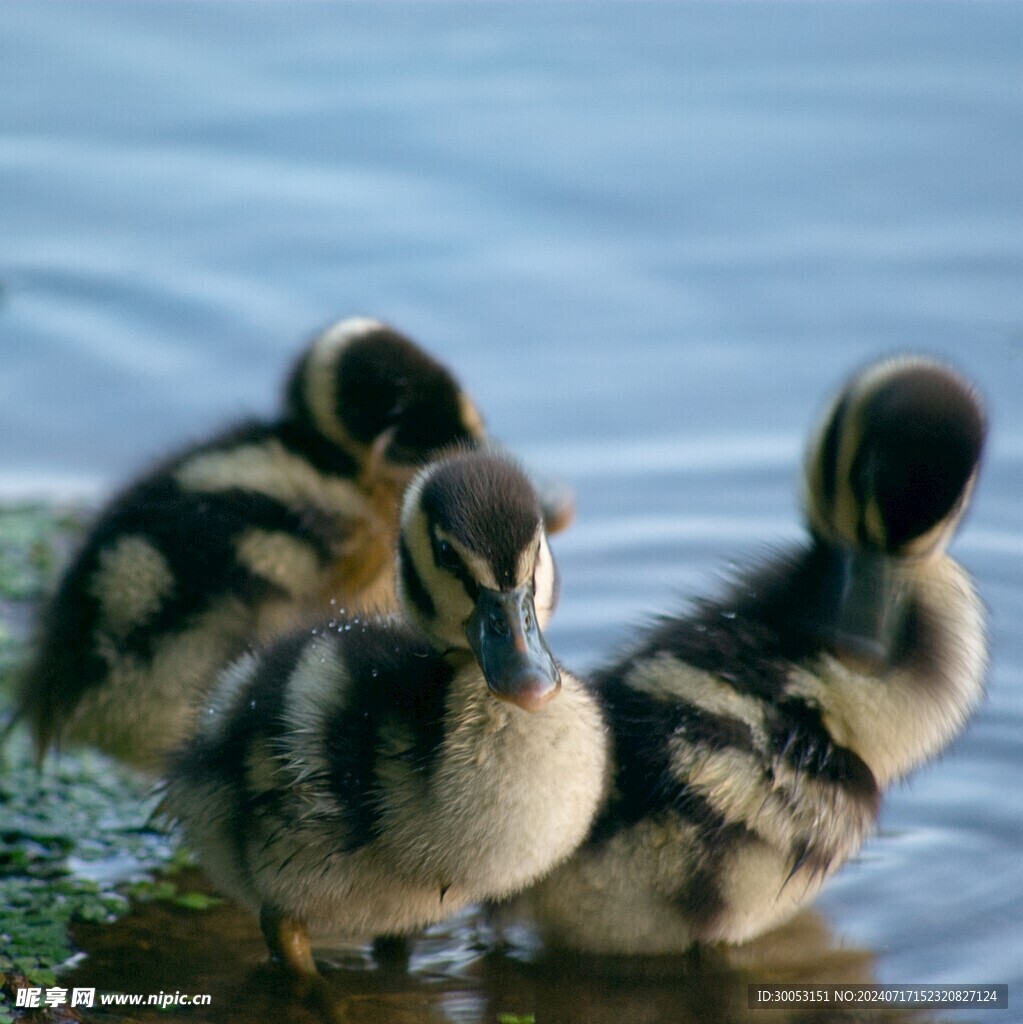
[361, 379]
[896, 456]
[486, 503]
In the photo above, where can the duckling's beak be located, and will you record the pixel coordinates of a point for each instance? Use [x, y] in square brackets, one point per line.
[871, 609]
[504, 635]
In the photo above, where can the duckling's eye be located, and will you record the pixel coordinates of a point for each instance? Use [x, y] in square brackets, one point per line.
[447, 556]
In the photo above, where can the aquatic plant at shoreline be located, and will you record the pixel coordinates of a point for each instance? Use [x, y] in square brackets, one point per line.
[76, 841]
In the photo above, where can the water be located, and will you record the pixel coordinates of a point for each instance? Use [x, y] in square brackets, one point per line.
[651, 238]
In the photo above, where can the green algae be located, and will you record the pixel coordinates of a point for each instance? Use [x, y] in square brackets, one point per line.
[70, 836]
[162, 889]
[77, 841]
[32, 541]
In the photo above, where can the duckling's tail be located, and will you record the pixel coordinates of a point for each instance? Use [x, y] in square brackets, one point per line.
[889, 475]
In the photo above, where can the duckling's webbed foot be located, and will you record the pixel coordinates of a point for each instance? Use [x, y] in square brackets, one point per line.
[288, 942]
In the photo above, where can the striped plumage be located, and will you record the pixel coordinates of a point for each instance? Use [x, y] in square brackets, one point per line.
[239, 539]
[754, 737]
[368, 779]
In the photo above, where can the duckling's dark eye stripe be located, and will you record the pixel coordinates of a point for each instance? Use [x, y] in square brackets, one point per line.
[451, 562]
[412, 583]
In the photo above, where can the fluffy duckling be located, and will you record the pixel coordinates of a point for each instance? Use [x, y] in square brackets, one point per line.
[385, 772]
[240, 539]
[754, 737]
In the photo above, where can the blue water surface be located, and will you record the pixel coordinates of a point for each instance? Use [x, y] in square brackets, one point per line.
[651, 238]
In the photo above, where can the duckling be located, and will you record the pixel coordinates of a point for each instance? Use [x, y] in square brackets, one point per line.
[753, 738]
[239, 539]
[383, 773]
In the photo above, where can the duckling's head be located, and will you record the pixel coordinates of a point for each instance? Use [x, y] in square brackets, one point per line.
[477, 574]
[372, 391]
[893, 464]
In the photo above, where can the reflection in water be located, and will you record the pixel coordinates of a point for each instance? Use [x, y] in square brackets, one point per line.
[706, 985]
[452, 976]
